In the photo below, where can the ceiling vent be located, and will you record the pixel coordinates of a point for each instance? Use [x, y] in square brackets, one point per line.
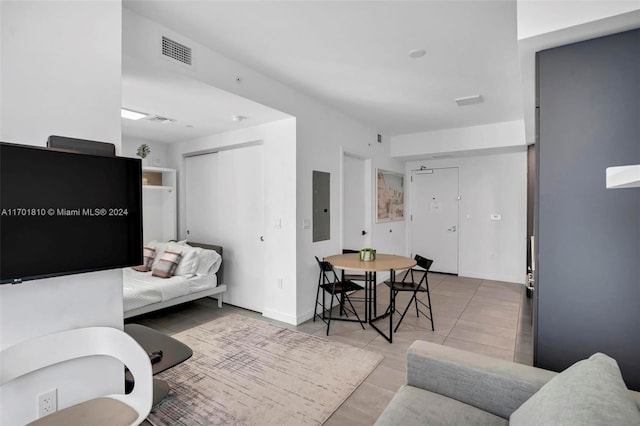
[469, 100]
[160, 119]
[176, 51]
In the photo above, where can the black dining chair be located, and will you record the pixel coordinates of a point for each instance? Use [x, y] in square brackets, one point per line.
[328, 282]
[354, 277]
[408, 283]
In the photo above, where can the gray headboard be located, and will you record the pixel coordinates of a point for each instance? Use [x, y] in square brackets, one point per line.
[220, 272]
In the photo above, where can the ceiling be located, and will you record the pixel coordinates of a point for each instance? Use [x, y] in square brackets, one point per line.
[352, 55]
[197, 108]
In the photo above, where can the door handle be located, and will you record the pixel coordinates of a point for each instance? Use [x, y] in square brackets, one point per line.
[364, 232]
[452, 229]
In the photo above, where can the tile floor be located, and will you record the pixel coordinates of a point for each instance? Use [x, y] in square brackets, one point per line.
[488, 317]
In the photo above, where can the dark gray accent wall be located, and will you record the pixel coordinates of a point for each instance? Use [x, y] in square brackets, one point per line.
[588, 237]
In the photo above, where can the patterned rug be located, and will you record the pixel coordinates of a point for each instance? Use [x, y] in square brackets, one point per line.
[249, 372]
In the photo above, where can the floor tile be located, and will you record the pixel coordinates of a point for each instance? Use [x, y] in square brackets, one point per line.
[486, 317]
[479, 348]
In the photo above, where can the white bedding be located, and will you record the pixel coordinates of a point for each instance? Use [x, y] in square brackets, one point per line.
[141, 288]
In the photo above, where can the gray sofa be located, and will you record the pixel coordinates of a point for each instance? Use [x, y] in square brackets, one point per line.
[447, 386]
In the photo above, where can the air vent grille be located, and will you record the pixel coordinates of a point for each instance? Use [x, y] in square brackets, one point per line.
[177, 51]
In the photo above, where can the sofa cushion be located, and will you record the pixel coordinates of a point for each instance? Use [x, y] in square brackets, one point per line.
[413, 406]
[590, 392]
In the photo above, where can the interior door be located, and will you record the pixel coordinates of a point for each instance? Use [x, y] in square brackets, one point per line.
[434, 217]
[354, 226]
[225, 205]
[241, 227]
[202, 198]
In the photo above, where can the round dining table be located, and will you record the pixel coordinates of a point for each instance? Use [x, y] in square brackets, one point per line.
[382, 262]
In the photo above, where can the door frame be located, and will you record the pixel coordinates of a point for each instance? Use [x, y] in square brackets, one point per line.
[411, 207]
[368, 195]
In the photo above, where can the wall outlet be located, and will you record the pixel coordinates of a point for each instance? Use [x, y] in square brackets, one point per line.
[48, 403]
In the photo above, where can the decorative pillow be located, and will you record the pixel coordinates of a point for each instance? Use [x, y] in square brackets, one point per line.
[209, 263]
[189, 261]
[160, 248]
[590, 392]
[167, 264]
[149, 255]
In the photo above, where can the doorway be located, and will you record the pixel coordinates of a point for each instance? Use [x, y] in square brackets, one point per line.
[356, 222]
[225, 205]
[434, 217]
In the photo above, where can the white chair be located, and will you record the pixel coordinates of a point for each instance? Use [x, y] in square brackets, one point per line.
[116, 409]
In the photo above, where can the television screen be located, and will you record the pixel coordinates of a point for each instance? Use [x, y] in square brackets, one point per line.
[64, 213]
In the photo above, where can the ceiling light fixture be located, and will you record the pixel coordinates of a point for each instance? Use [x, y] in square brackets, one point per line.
[469, 100]
[417, 53]
[132, 115]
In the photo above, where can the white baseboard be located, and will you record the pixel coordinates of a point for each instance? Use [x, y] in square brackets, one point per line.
[508, 278]
[280, 316]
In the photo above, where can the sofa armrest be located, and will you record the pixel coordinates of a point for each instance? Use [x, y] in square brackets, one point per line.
[490, 384]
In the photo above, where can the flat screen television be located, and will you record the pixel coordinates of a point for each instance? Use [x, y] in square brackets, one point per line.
[65, 213]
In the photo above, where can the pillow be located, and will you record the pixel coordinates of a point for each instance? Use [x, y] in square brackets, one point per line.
[167, 264]
[160, 248]
[189, 261]
[209, 263]
[149, 254]
[590, 392]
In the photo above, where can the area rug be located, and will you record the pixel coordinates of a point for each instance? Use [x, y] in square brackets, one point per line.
[249, 372]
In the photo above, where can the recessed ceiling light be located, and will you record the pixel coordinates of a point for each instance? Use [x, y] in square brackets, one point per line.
[417, 53]
[132, 115]
[469, 100]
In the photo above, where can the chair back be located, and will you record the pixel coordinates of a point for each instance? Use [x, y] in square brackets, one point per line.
[423, 262]
[326, 271]
[324, 265]
[40, 352]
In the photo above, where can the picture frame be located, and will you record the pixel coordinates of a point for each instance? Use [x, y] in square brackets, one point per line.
[389, 196]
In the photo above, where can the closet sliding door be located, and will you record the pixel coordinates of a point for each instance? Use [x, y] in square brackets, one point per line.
[202, 198]
[225, 205]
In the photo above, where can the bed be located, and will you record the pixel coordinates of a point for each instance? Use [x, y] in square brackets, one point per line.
[143, 292]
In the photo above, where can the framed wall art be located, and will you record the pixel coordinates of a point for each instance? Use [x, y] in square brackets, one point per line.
[389, 196]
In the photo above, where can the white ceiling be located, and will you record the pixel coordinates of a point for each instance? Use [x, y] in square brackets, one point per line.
[352, 55]
[197, 108]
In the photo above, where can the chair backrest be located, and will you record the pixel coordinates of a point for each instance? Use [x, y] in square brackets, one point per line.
[40, 352]
[324, 265]
[326, 269]
[423, 262]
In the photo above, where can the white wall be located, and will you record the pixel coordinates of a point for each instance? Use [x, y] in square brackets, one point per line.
[319, 148]
[159, 156]
[494, 250]
[485, 138]
[279, 153]
[540, 17]
[321, 132]
[60, 74]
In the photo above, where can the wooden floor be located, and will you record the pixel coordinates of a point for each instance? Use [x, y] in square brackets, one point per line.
[482, 316]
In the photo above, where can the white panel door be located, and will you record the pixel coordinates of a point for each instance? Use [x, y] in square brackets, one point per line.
[241, 209]
[225, 206]
[202, 198]
[354, 204]
[434, 212]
